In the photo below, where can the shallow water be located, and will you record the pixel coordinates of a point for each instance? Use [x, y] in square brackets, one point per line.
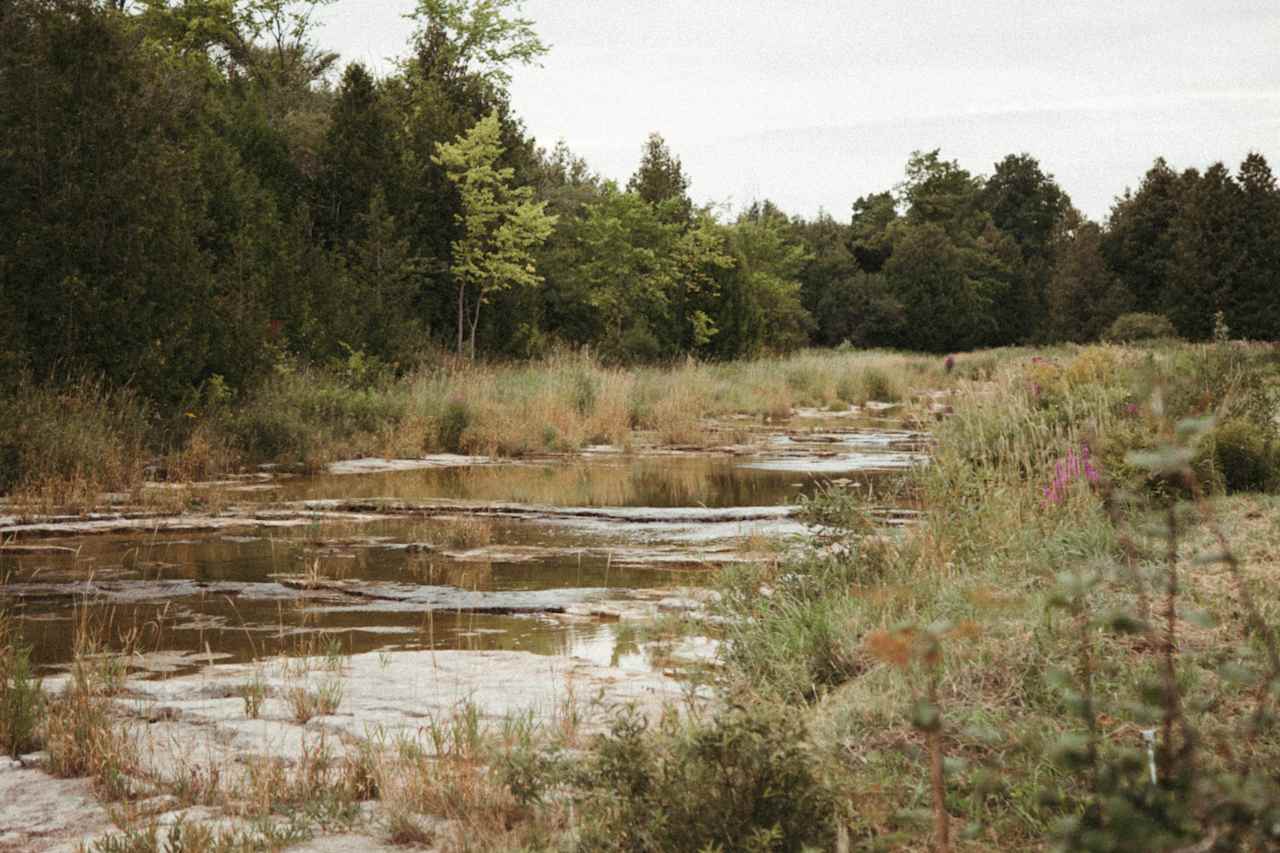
[536, 556]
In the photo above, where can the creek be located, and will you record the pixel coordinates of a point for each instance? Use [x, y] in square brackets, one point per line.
[563, 556]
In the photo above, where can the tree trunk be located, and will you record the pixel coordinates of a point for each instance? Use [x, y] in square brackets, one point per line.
[462, 292]
[475, 321]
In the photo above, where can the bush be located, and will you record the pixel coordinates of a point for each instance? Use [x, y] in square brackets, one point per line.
[877, 386]
[1128, 328]
[453, 423]
[1245, 456]
[309, 417]
[744, 781]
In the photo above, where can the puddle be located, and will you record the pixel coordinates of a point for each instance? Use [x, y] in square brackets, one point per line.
[551, 556]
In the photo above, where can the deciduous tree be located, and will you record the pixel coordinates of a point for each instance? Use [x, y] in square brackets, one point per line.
[500, 223]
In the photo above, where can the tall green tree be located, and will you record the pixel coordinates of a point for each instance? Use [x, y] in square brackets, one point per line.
[1253, 306]
[623, 271]
[1084, 296]
[869, 230]
[945, 306]
[1139, 237]
[939, 192]
[761, 306]
[481, 39]
[1206, 258]
[103, 219]
[1026, 204]
[359, 158]
[500, 223]
[660, 180]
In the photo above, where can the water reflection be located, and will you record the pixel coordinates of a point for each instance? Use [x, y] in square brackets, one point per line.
[222, 592]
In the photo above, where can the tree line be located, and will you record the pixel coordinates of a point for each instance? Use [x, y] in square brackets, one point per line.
[195, 188]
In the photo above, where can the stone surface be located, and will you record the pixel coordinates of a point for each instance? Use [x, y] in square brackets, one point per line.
[41, 813]
[378, 466]
[186, 724]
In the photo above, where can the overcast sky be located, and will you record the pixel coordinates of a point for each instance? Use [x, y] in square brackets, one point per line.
[812, 103]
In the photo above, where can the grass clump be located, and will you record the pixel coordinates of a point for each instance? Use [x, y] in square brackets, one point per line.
[461, 785]
[83, 735]
[452, 426]
[254, 693]
[315, 700]
[465, 532]
[311, 417]
[743, 781]
[182, 836]
[22, 698]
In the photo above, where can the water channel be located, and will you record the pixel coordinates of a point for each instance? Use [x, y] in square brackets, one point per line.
[536, 555]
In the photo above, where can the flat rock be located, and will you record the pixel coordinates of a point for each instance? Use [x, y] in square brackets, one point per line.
[190, 722]
[373, 465]
[42, 813]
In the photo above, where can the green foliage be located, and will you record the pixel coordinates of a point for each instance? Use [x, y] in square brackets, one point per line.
[760, 308]
[1083, 296]
[303, 419]
[743, 781]
[660, 180]
[22, 698]
[482, 37]
[501, 223]
[1246, 455]
[792, 633]
[1131, 328]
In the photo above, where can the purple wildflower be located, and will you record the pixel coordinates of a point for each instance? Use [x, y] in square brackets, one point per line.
[950, 363]
[1073, 466]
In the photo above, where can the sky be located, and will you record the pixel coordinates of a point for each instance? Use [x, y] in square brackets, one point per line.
[813, 103]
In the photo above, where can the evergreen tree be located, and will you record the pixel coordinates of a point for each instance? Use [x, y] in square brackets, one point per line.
[1253, 306]
[660, 180]
[359, 158]
[1138, 245]
[1206, 255]
[1026, 204]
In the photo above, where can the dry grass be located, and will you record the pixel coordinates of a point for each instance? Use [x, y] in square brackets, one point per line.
[82, 734]
[463, 532]
[74, 444]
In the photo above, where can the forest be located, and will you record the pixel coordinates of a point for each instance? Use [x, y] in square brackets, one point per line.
[198, 189]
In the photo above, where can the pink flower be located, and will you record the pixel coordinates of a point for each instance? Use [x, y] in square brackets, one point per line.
[1073, 466]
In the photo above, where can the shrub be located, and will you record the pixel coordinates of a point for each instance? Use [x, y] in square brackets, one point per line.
[1245, 456]
[453, 423]
[879, 387]
[1128, 328]
[744, 781]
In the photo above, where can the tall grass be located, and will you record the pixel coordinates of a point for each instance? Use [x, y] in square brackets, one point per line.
[66, 445]
[964, 737]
